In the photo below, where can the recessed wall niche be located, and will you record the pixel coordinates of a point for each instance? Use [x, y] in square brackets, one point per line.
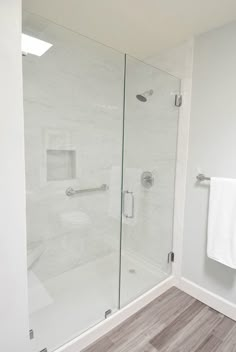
[61, 164]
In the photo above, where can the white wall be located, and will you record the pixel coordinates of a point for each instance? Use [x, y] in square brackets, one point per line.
[13, 294]
[212, 150]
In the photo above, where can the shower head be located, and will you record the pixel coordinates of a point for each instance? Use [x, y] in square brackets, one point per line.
[143, 97]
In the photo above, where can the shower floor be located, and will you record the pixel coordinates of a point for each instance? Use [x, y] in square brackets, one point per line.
[67, 305]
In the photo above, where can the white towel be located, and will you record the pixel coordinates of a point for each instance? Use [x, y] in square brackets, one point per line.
[221, 244]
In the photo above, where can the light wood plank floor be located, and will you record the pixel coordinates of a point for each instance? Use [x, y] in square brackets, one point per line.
[174, 322]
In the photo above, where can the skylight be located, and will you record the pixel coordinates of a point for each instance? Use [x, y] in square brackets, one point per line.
[34, 46]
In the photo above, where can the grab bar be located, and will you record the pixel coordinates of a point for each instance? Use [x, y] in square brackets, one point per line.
[71, 191]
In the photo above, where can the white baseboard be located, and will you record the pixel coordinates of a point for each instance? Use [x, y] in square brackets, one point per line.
[212, 300]
[85, 339]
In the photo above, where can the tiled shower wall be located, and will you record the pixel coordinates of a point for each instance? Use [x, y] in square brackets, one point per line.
[150, 145]
[73, 101]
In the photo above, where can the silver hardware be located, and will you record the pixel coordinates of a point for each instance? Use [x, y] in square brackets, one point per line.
[71, 191]
[178, 100]
[147, 179]
[107, 313]
[123, 201]
[171, 257]
[31, 334]
[143, 97]
[202, 177]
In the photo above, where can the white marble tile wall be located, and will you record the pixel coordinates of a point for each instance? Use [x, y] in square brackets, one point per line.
[150, 145]
[73, 100]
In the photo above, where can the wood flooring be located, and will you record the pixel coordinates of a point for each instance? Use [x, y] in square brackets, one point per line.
[174, 322]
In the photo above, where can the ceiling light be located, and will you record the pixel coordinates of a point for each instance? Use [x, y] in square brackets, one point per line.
[31, 45]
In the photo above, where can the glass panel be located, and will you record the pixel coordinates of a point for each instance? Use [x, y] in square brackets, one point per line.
[73, 102]
[151, 122]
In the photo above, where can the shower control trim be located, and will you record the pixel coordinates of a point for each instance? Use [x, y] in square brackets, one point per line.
[147, 179]
[125, 194]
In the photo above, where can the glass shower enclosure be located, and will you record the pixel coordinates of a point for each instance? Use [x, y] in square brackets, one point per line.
[100, 150]
[150, 140]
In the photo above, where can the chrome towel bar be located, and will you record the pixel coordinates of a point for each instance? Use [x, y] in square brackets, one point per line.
[71, 191]
[202, 177]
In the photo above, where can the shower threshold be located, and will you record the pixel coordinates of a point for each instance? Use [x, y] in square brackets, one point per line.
[80, 298]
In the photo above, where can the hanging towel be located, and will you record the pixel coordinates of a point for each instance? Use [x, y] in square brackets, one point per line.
[221, 243]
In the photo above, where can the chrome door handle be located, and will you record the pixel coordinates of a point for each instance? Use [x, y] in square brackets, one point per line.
[125, 193]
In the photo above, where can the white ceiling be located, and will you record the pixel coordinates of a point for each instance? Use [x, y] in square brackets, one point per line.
[141, 28]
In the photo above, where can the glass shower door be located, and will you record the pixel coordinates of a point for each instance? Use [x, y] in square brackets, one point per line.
[73, 107]
[150, 139]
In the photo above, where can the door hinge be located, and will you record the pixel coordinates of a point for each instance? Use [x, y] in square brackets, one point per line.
[171, 257]
[31, 334]
[107, 313]
[178, 100]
